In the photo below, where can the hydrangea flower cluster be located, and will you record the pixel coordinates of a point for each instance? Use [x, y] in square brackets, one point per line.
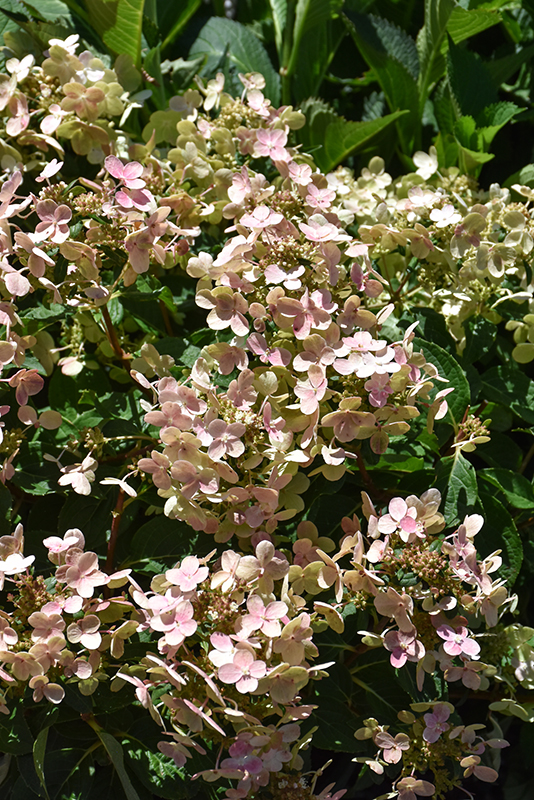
[440, 241]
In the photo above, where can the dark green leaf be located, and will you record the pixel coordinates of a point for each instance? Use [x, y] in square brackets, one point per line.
[500, 533]
[15, 736]
[457, 482]
[472, 95]
[116, 754]
[393, 57]
[515, 487]
[159, 774]
[449, 368]
[511, 387]
[162, 537]
[39, 751]
[222, 39]
[480, 334]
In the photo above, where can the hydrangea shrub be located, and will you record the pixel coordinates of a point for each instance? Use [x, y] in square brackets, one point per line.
[238, 395]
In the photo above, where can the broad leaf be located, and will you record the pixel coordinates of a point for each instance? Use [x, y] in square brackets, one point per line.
[474, 94]
[346, 138]
[500, 533]
[312, 62]
[119, 23]
[465, 23]
[392, 55]
[227, 44]
[512, 388]
[457, 482]
[449, 368]
[48, 10]
[501, 69]
[515, 487]
[308, 15]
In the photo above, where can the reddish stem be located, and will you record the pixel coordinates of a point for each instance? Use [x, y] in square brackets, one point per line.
[117, 514]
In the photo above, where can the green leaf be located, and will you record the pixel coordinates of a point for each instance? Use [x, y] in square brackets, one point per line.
[334, 137]
[313, 61]
[449, 368]
[492, 119]
[309, 14]
[7, 23]
[480, 334]
[474, 94]
[500, 533]
[463, 23]
[501, 69]
[115, 752]
[182, 13]
[48, 10]
[457, 482]
[159, 774]
[225, 40]
[393, 57]
[39, 751]
[512, 388]
[162, 537]
[346, 138]
[515, 487]
[279, 12]
[15, 736]
[119, 23]
[429, 42]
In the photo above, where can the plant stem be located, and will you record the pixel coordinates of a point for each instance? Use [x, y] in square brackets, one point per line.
[117, 514]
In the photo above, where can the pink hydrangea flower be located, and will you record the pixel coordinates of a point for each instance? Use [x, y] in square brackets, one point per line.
[436, 723]
[263, 618]
[226, 439]
[188, 575]
[244, 671]
[457, 641]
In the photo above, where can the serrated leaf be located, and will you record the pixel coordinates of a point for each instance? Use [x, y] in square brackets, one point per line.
[225, 40]
[48, 10]
[474, 94]
[159, 774]
[119, 23]
[448, 367]
[393, 57]
[500, 533]
[465, 23]
[512, 388]
[457, 482]
[515, 487]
